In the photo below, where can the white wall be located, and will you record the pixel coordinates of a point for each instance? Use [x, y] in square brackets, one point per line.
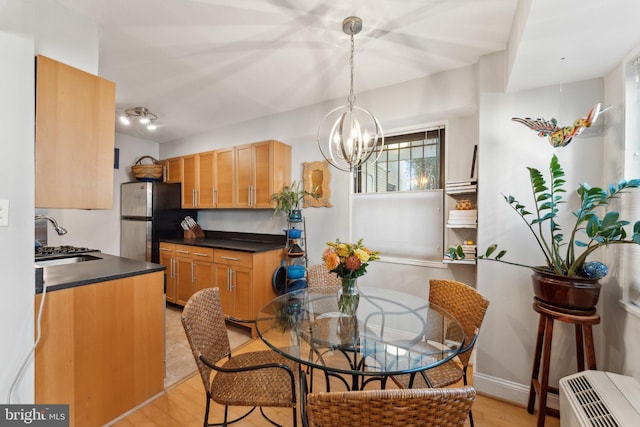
[16, 185]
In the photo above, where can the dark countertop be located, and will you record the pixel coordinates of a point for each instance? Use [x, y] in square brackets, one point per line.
[108, 267]
[243, 242]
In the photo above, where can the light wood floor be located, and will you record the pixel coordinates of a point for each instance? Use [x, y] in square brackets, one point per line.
[183, 405]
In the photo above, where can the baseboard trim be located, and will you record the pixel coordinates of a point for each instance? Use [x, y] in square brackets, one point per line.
[509, 391]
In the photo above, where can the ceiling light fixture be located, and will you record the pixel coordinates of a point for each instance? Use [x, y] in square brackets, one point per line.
[355, 134]
[143, 115]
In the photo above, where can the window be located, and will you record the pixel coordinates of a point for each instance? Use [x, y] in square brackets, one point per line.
[409, 162]
[397, 201]
[631, 203]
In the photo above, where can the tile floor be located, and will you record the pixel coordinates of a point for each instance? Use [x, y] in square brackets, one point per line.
[179, 360]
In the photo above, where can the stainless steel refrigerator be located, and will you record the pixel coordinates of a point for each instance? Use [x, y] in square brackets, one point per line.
[149, 211]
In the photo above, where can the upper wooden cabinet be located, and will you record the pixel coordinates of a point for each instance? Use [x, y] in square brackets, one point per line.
[244, 176]
[173, 170]
[271, 169]
[190, 180]
[198, 178]
[262, 169]
[74, 137]
[225, 183]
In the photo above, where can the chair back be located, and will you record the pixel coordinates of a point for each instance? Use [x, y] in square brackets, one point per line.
[441, 407]
[204, 325]
[466, 304]
[319, 276]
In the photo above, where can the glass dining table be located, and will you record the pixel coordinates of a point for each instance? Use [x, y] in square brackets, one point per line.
[392, 333]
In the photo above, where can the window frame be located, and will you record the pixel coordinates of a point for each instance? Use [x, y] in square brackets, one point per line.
[410, 135]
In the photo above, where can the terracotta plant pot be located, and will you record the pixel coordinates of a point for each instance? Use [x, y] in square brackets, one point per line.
[568, 293]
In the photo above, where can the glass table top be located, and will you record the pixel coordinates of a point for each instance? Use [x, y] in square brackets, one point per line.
[392, 332]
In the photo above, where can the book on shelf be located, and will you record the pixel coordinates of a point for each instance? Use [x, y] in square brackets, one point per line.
[461, 190]
[463, 181]
[462, 222]
[459, 214]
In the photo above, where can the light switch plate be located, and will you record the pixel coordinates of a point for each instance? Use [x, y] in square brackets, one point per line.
[4, 213]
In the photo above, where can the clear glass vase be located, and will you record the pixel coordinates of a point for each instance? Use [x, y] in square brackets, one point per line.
[348, 297]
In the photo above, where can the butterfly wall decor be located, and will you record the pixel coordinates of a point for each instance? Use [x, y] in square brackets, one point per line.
[561, 136]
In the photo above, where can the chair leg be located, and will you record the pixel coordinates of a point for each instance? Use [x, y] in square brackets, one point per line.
[206, 410]
[464, 380]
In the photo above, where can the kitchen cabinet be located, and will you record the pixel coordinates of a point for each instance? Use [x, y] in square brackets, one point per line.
[206, 180]
[194, 271]
[167, 257]
[262, 168]
[243, 176]
[198, 178]
[225, 177]
[173, 170]
[190, 171]
[74, 137]
[102, 347]
[245, 281]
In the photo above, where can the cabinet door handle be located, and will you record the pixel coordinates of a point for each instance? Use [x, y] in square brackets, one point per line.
[200, 254]
[193, 273]
[193, 197]
[215, 197]
[230, 258]
[165, 249]
[249, 195]
[231, 280]
[180, 251]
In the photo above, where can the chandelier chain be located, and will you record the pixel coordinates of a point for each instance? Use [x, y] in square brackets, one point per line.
[351, 98]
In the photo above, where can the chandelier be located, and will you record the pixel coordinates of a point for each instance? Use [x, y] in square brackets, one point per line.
[349, 135]
[144, 116]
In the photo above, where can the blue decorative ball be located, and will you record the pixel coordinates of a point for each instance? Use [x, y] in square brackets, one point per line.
[594, 270]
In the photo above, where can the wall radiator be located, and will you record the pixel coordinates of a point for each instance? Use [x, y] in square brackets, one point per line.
[599, 399]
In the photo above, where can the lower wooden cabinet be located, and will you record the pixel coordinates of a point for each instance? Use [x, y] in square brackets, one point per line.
[245, 281]
[244, 278]
[102, 347]
[168, 259]
[194, 271]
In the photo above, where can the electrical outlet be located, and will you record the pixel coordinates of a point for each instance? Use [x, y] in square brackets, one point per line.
[4, 213]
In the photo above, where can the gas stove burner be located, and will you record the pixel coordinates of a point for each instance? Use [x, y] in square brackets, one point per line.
[62, 250]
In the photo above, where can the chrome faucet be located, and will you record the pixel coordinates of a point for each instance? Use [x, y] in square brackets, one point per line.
[59, 230]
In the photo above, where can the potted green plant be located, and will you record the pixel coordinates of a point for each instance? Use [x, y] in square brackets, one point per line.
[568, 279]
[289, 198]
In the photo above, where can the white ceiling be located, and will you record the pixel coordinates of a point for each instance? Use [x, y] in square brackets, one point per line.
[202, 64]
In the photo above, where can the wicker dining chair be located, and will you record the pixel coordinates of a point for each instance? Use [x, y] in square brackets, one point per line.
[468, 306]
[318, 276]
[435, 407]
[261, 378]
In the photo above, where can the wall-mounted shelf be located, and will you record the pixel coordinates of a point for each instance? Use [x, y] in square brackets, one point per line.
[461, 219]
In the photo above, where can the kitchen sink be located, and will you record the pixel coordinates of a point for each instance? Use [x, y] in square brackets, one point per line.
[48, 262]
